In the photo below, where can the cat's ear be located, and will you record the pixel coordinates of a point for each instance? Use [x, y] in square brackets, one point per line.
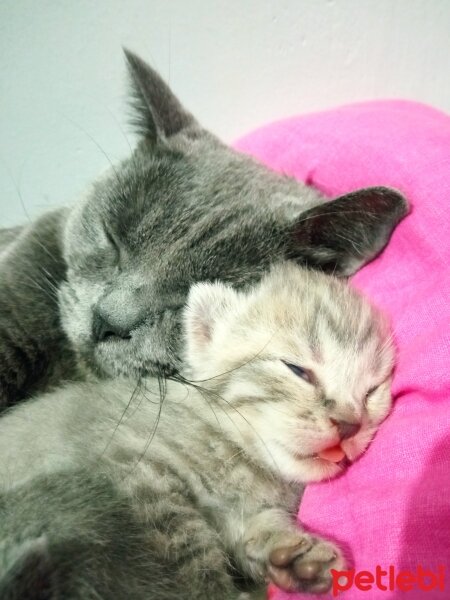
[342, 235]
[26, 572]
[158, 114]
[206, 304]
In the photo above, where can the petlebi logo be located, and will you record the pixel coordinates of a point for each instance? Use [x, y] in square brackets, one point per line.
[389, 579]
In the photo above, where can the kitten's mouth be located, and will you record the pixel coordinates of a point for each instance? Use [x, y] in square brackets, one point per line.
[335, 454]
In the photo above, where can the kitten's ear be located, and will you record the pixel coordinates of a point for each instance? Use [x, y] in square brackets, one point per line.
[342, 235]
[26, 571]
[158, 113]
[206, 304]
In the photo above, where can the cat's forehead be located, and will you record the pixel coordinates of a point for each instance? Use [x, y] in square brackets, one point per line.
[159, 188]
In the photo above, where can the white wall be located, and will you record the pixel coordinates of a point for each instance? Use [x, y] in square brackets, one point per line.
[235, 63]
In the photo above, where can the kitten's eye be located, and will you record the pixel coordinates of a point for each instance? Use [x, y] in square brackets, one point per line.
[371, 391]
[305, 374]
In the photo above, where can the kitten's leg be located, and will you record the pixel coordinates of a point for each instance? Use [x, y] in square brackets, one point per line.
[274, 547]
[193, 562]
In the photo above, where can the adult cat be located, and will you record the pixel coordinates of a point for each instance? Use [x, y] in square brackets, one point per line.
[102, 284]
[107, 493]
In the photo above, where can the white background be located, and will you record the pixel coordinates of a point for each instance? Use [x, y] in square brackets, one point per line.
[235, 63]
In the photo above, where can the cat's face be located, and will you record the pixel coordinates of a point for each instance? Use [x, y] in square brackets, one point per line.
[185, 208]
[298, 366]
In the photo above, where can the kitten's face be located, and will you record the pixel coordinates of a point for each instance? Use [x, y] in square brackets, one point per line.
[306, 365]
[185, 208]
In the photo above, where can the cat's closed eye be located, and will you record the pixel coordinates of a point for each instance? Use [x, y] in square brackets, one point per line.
[305, 374]
[91, 266]
[112, 241]
[91, 263]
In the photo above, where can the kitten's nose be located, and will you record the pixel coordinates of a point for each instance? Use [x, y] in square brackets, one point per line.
[104, 327]
[345, 429]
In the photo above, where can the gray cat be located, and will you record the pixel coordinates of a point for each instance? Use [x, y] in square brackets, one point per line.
[102, 284]
[107, 493]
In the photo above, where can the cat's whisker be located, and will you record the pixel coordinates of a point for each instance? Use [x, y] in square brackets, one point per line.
[162, 384]
[141, 397]
[17, 187]
[94, 141]
[209, 404]
[229, 371]
[133, 394]
[40, 243]
[49, 280]
[119, 126]
[34, 283]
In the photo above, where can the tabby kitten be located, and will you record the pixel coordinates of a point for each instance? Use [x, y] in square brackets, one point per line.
[102, 284]
[108, 493]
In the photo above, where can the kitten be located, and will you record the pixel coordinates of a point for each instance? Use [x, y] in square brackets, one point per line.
[102, 283]
[108, 493]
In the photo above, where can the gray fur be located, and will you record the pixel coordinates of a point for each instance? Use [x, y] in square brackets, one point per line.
[33, 351]
[182, 208]
[108, 490]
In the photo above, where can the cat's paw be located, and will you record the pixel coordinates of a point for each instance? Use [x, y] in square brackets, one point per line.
[304, 566]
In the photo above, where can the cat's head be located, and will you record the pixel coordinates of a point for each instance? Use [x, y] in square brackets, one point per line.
[185, 208]
[299, 365]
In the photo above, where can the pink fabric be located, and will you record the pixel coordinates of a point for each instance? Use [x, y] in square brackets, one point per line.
[392, 507]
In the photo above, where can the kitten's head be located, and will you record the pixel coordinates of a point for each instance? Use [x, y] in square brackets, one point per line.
[299, 365]
[186, 208]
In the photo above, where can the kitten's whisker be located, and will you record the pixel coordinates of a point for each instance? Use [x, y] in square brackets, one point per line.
[204, 393]
[254, 429]
[229, 404]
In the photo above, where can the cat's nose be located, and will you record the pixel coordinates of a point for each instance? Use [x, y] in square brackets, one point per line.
[104, 327]
[345, 429]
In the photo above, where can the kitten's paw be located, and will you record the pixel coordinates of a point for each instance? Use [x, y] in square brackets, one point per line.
[305, 566]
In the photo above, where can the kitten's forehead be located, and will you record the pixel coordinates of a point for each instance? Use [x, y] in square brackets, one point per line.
[317, 316]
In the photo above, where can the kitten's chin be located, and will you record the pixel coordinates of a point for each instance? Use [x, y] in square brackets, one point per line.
[312, 468]
[318, 469]
[306, 469]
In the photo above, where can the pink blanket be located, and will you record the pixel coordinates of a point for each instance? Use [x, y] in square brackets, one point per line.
[392, 507]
